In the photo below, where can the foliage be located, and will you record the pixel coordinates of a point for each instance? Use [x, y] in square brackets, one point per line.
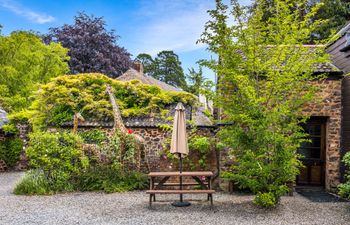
[110, 178]
[56, 102]
[91, 47]
[264, 74]
[94, 136]
[200, 149]
[265, 199]
[34, 182]
[10, 150]
[59, 155]
[24, 62]
[149, 65]
[344, 189]
[335, 13]
[165, 67]
[196, 80]
[62, 164]
[9, 128]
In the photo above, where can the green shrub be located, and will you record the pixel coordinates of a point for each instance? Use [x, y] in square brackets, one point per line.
[10, 150]
[59, 155]
[265, 200]
[94, 136]
[34, 182]
[110, 178]
[344, 189]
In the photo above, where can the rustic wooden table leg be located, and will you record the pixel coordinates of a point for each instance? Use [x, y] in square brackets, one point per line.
[210, 196]
[152, 187]
[150, 200]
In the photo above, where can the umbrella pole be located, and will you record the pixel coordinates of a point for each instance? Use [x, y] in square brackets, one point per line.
[181, 198]
[181, 203]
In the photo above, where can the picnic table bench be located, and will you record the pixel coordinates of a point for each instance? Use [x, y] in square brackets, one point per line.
[201, 178]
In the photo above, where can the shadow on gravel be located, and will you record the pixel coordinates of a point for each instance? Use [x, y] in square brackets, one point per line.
[319, 195]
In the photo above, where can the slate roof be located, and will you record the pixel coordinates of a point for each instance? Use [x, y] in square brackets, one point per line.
[3, 117]
[327, 68]
[132, 74]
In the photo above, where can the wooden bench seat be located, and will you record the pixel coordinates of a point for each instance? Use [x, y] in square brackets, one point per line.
[180, 191]
[152, 194]
[183, 184]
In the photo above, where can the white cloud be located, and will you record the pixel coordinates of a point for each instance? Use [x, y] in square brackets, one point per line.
[172, 25]
[35, 17]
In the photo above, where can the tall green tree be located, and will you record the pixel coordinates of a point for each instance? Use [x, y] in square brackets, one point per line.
[166, 67]
[25, 62]
[196, 80]
[266, 77]
[336, 14]
[149, 66]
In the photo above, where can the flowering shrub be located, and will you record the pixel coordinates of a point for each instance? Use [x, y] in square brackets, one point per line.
[58, 155]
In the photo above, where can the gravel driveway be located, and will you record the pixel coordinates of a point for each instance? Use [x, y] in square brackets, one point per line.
[132, 208]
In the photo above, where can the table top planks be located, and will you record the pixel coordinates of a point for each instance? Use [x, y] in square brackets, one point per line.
[183, 174]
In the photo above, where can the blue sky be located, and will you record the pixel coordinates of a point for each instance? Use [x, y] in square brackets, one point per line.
[147, 26]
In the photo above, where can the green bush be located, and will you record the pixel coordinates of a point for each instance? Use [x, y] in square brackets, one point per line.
[59, 155]
[110, 178]
[265, 200]
[10, 150]
[94, 136]
[34, 182]
[344, 189]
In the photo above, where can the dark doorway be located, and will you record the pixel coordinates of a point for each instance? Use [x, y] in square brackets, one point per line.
[314, 153]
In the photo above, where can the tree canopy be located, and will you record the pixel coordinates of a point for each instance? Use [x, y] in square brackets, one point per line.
[24, 62]
[333, 13]
[92, 48]
[166, 67]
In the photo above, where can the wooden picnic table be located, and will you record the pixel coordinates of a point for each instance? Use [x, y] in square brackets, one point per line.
[201, 178]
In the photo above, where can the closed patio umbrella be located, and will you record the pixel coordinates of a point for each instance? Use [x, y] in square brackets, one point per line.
[179, 145]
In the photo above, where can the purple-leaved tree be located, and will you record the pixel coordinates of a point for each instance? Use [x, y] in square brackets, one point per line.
[91, 47]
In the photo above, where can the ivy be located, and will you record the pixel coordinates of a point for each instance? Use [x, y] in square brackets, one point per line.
[56, 101]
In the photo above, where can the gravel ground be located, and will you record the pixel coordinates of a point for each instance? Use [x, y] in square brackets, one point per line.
[132, 208]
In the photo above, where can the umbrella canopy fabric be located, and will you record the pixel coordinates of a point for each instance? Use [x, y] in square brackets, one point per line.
[179, 137]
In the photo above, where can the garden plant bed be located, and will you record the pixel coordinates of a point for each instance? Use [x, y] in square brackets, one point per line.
[131, 208]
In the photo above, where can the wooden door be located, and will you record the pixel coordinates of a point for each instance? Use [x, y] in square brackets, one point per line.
[313, 172]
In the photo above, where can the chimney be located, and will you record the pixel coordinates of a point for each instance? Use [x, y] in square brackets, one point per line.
[138, 67]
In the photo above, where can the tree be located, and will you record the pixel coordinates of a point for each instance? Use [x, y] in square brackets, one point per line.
[91, 47]
[169, 69]
[25, 62]
[165, 67]
[335, 13]
[149, 66]
[196, 80]
[265, 76]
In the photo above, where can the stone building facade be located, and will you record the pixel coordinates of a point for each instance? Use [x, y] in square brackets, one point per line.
[326, 112]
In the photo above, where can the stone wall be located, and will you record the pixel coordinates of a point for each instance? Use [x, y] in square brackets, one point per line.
[153, 159]
[328, 104]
